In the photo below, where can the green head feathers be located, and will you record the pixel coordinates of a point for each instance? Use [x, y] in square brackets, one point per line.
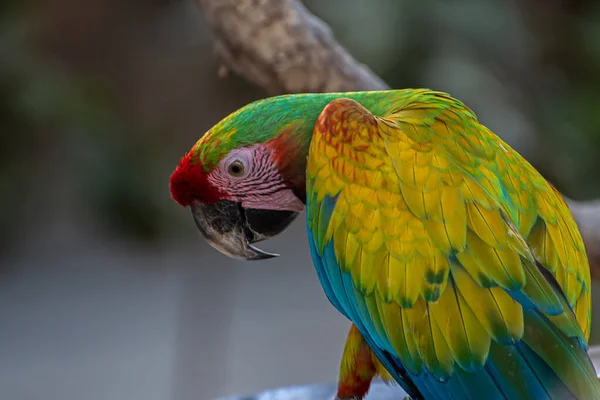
[290, 116]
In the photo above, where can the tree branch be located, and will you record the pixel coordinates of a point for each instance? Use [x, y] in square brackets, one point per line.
[281, 47]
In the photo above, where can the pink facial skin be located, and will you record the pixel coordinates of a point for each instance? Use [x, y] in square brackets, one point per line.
[260, 184]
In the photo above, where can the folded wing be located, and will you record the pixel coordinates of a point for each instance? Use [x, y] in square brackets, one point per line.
[454, 257]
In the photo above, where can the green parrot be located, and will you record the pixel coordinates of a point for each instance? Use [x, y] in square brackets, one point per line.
[459, 265]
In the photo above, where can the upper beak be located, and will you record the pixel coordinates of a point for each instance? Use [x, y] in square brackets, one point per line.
[231, 229]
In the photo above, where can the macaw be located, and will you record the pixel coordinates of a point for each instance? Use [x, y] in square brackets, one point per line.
[459, 265]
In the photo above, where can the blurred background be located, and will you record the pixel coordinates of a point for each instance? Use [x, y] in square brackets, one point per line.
[107, 290]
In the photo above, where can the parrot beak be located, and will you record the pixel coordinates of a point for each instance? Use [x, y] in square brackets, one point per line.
[231, 229]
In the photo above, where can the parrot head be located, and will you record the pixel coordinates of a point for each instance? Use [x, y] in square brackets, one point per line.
[244, 180]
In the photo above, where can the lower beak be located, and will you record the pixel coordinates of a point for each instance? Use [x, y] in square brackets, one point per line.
[231, 229]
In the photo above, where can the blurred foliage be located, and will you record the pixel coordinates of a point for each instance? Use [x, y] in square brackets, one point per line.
[17, 129]
[90, 114]
[115, 175]
[50, 115]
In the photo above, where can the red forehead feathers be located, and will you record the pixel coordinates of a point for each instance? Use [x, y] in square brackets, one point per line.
[190, 183]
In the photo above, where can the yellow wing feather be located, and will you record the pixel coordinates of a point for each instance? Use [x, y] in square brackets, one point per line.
[435, 218]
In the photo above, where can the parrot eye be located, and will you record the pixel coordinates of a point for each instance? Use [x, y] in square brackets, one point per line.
[236, 169]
